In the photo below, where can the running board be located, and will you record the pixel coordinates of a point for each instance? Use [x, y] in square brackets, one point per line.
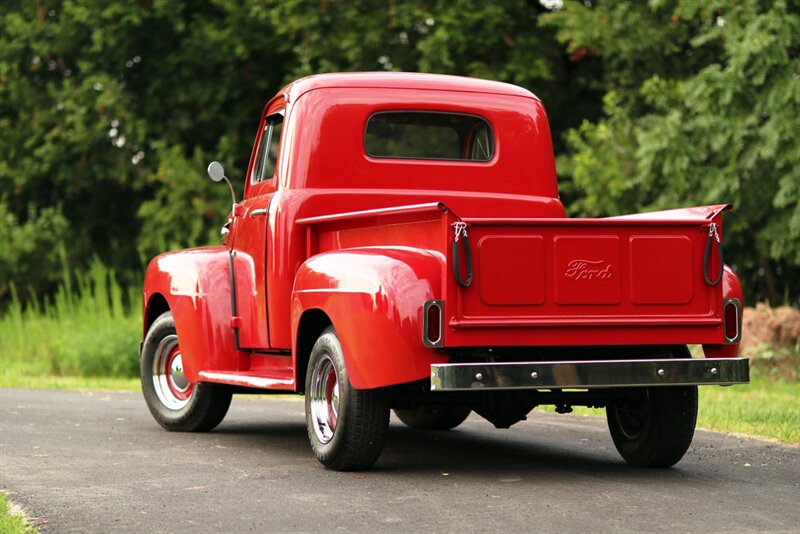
[589, 374]
[247, 380]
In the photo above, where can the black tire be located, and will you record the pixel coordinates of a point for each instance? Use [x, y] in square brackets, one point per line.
[177, 404]
[653, 427]
[346, 426]
[434, 416]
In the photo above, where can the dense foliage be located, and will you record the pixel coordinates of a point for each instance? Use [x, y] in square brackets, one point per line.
[109, 112]
[702, 106]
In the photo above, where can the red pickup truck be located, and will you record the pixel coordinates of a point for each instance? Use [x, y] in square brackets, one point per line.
[401, 245]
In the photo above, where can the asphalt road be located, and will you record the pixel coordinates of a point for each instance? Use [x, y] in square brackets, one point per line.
[97, 462]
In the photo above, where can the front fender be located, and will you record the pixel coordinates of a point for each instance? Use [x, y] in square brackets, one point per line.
[374, 298]
[196, 286]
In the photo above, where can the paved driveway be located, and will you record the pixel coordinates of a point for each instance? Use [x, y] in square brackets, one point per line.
[97, 462]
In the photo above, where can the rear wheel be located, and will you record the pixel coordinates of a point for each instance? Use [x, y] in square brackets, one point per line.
[653, 427]
[346, 426]
[176, 403]
[434, 416]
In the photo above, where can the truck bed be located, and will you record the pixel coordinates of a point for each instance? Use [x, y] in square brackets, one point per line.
[631, 280]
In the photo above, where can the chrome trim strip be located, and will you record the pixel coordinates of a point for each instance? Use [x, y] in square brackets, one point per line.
[738, 305]
[589, 374]
[587, 320]
[439, 342]
[246, 380]
[432, 207]
[258, 212]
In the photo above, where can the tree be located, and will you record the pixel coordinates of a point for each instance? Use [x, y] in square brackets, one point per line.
[500, 40]
[702, 105]
[109, 113]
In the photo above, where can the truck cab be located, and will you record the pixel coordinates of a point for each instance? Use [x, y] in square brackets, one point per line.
[401, 244]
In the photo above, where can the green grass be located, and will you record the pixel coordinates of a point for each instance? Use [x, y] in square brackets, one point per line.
[11, 524]
[93, 383]
[89, 329]
[765, 408]
[769, 406]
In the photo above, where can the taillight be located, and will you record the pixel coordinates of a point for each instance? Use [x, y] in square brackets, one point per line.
[732, 318]
[432, 323]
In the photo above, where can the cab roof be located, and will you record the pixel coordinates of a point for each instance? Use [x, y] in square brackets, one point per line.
[401, 80]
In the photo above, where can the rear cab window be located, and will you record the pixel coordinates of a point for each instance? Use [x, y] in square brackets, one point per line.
[428, 135]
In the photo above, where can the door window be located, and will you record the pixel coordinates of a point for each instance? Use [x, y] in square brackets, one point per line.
[267, 159]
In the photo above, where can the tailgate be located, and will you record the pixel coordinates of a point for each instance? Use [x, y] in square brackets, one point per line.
[619, 280]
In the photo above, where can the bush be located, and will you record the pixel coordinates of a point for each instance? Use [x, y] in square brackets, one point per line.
[92, 329]
[26, 248]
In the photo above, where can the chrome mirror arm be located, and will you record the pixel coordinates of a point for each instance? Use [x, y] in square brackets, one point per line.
[233, 194]
[217, 173]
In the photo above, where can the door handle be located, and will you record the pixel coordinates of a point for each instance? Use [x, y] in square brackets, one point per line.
[226, 228]
[260, 212]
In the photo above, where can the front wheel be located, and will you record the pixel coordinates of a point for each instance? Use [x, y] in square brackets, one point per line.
[653, 427]
[346, 426]
[176, 403]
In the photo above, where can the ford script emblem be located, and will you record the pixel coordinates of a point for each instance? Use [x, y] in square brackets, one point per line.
[588, 270]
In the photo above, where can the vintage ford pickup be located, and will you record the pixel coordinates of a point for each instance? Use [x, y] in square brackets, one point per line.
[401, 245]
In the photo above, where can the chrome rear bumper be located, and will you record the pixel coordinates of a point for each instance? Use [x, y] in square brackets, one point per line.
[589, 374]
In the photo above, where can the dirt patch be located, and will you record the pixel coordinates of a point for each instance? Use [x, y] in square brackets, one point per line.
[771, 336]
[785, 368]
[774, 327]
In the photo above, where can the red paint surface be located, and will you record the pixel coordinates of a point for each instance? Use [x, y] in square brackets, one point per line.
[339, 237]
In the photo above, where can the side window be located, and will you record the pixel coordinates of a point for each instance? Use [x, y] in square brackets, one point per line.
[264, 168]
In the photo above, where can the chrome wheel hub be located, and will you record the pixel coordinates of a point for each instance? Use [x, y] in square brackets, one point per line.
[324, 401]
[169, 381]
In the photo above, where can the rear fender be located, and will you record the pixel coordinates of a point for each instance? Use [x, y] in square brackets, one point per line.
[374, 297]
[731, 289]
[195, 284]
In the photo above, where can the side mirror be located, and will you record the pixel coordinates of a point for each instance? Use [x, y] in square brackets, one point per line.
[215, 171]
